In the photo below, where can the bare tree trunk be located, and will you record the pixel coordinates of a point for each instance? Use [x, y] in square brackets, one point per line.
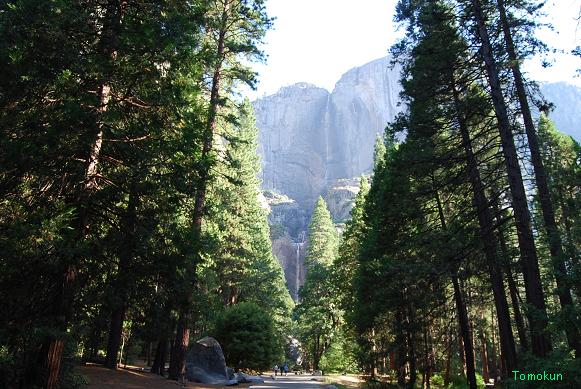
[553, 234]
[540, 341]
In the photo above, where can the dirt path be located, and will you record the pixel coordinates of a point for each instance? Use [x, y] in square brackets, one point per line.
[133, 378]
[291, 382]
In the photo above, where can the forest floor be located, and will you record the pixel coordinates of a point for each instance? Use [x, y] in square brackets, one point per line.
[133, 377]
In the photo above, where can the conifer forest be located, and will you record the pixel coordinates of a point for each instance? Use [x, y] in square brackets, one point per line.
[133, 217]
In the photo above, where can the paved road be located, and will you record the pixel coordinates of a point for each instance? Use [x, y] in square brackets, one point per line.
[290, 382]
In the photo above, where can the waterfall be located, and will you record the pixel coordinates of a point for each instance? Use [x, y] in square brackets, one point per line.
[298, 269]
[299, 244]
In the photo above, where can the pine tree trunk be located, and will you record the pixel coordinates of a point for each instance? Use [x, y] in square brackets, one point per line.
[544, 194]
[120, 285]
[148, 351]
[62, 308]
[115, 334]
[533, 286]
[513, 290]
[484, 353]
[373, 354]
[462, 312]
[486, 224]
[495, 363]
[401, 351]
[427, 374]
[465, 332]
[448, 361]
[412, 358]
[392, 365]
[177, 362]
[316, 352]
[158, 366]
[462, 355]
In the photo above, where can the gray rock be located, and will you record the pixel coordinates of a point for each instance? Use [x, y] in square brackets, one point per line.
[567, 113]
[309, 139]
[243, 378]
[205, 363]
[340, 198]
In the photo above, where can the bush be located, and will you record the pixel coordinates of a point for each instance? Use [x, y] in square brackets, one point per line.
[556, 362]
[460, 382]
[246, 334]
[340, 356]
[437, 381]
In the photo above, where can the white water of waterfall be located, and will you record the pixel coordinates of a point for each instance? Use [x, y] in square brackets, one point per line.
[298, 269]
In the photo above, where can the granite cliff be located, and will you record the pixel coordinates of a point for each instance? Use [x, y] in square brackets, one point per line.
[317, 143]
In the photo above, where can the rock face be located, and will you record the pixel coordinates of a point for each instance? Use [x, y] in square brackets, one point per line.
[567, 113]
[363, 101]
[205, 363]
[340, 198]
[311, 143]
[315, 143]
[309, 137]
[293, 141]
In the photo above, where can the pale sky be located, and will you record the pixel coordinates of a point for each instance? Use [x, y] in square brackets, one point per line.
[316, 41]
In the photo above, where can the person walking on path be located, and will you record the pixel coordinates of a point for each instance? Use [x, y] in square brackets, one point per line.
[276, 370]
[285, 368]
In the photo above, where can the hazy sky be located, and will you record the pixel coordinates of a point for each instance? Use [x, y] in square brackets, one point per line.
[316, 41]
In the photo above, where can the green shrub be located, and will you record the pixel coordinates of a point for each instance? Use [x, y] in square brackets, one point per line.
[437, 380]
[246, 334]
[340, 356]
[556, 362]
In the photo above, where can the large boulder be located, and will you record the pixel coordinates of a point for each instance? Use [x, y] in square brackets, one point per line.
[205, 363]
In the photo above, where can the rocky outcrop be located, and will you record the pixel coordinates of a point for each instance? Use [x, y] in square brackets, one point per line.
[315, 143]
[293, 141]
[311, 143]
[288, 221]
[205, 363]
[340, 198]
[363, 101]
[309, 137]
[566, 99]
